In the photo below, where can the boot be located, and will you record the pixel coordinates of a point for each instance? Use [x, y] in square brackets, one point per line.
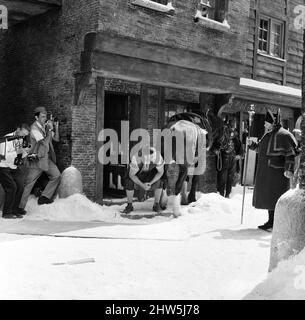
[20, 211]
[11, 216]
[128, 209]
[157, 208]
[44, 200]
[269, 224]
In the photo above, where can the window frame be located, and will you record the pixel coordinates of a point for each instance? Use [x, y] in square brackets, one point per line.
[168, 8]
[165, 4]
[215, 10]
[271, 22]
[210, 22]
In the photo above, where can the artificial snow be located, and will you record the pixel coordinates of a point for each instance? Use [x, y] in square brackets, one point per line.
[267, 86]
[286, 282]
[289, 225]
[204, 254]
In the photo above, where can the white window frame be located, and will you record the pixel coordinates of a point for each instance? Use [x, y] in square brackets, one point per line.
[169, 8]
[271, 22]
[222, 26]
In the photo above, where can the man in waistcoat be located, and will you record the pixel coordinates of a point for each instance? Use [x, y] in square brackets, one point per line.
[42, 158]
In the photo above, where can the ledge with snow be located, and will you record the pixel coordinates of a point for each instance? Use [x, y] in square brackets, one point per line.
[272, 93]
[272, 87]
[209, 23]
[169, 9]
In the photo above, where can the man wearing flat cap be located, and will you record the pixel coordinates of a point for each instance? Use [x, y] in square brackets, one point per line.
[276, 154]
[42, 158]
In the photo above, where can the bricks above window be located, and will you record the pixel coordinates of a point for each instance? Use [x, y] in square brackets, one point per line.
[157, 5]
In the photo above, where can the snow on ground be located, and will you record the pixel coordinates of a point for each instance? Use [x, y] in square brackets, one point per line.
[75, 208]
[205, 254]
[286, 282]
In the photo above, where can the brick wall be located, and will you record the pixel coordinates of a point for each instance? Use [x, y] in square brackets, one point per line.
[179, 30]
[37, 61]
[83, 151]
[38, 58]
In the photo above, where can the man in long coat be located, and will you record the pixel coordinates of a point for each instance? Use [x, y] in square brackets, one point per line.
[276, 153]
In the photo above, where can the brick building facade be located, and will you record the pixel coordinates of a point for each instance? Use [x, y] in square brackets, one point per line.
[93, 63]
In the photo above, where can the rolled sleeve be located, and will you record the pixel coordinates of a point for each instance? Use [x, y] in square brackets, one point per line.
[133, 167]
[159, 162]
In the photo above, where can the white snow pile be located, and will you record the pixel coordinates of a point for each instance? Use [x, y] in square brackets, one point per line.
[74, 208]
[286, 282]
[209, 208]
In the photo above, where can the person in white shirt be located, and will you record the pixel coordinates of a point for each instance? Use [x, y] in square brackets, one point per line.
[145, 173]
[11, 175]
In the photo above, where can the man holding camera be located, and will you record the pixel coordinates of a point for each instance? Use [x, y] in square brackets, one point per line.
[12, 175]
[42, 158]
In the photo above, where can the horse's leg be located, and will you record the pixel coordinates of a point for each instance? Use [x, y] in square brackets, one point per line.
[163, 200]
[176, 199]
[184, 200]
[194, 186]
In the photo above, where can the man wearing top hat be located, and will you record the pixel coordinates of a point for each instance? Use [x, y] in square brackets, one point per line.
[276, 152]
[42, 158]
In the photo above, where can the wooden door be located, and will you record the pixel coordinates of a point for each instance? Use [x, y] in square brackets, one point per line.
[118, 108]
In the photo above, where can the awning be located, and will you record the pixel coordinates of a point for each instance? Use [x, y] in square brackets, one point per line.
[265, 92]
[113, 56]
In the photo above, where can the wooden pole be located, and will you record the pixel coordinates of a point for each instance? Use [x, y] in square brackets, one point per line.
[251, 114]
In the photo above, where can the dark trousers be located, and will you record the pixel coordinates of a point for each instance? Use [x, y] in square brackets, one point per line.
[12, 181]
[271, 216]
[144, 176]
[225, 177]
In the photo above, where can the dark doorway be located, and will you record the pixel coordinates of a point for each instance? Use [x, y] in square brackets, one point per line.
[119, 107]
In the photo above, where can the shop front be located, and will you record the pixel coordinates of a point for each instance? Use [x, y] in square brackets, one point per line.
[145, 84]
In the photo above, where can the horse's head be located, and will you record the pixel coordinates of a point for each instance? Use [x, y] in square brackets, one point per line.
[217, 125]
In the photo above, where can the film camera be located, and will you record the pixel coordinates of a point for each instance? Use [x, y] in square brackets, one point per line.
[19, 160]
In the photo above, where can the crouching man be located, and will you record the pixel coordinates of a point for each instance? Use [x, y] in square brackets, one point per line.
[42, 158]
[145, 174]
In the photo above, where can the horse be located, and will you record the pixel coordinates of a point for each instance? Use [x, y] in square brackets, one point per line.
[192, 127]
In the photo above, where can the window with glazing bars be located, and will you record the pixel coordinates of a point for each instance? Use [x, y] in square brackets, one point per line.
[271, 37]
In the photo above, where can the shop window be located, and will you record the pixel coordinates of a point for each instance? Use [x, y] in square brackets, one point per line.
[215, 10]
[271, 37]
